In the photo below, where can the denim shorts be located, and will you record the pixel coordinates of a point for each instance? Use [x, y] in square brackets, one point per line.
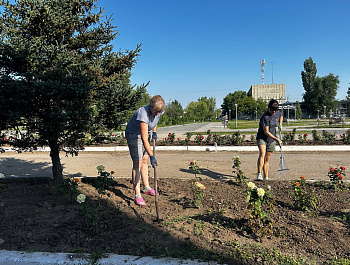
[135, 144]
[270, 146]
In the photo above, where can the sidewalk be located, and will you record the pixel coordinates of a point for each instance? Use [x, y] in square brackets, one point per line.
[45, 258]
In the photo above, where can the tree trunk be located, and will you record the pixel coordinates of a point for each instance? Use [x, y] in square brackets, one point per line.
[56, 161]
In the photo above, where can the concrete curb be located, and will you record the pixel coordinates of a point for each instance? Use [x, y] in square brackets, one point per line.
[46, 258]
[203, 148]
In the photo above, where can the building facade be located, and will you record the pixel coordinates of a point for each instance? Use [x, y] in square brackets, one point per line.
[267, 92]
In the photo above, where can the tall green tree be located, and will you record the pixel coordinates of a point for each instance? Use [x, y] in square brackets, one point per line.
[246, 105]
[59, 74]
[298, 110]
[319, 91]
[230, 100]
[173, 113]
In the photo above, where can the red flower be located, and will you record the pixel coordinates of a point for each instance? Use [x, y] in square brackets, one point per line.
[186, 139]
[124, 138]
[199, 137]
[342, 168]
[302, 177]
[178, 139]
[168, 139]
[332, 169]
[243, 135]
[338, 174]
[210, 135]
[5, 139]
[305, 134]
[202, 137]
[297, 184]
[169, 134]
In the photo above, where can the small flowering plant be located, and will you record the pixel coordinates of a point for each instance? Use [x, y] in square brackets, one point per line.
[209, 137]
[104, 180]
[304, 197]
[261, 204]
[88, 211]
[199, 138]
[196, 186]
[171, 137]
[240, 178]
[336, 177]
[302, 138]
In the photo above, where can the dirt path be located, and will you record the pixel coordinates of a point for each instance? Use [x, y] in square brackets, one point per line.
[174, 164]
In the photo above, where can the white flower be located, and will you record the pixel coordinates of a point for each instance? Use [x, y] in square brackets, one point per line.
[261, 192]
[81, 198]
[268, 187]
[2, 176]
[251, 185]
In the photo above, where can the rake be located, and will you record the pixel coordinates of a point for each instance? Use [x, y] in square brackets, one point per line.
[282, 168]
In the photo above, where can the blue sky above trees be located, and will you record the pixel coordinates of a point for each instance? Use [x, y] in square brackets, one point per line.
[196, 48]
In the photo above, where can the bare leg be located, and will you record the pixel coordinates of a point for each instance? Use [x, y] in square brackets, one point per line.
[267, 164]
[136, 175]
[144, 170]
[261, 158]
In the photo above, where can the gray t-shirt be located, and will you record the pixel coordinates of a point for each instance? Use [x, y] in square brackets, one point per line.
[267, 119]
[143, 114]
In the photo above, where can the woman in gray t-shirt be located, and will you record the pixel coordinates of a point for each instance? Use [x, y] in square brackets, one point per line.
[266, 137]
[138, 132]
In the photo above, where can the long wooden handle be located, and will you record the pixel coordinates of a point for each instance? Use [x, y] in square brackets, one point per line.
[155, 181]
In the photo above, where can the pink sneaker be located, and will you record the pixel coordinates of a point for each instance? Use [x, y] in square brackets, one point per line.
[151, 192]
[140, 201]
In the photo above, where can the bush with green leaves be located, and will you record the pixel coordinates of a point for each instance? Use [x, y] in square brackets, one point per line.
[197, 187]
[261, 206]
[336, 177]
[305, 198]
[327, 137]
[289, 136]
[239, 174]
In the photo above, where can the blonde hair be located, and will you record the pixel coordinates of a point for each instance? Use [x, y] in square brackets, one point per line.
[157, 103]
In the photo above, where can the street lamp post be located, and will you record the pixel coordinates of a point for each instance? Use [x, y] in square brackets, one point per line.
[324, 111]
[318, 114]
[229, 114]
[236, 115]
[288, 115]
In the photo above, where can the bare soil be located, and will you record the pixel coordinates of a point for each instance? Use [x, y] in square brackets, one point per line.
[35, 216]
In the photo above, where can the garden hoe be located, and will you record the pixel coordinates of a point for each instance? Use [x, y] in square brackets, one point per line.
[155, 182]
[282, 166]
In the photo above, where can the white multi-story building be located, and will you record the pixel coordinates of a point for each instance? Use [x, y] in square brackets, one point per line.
[267, 92]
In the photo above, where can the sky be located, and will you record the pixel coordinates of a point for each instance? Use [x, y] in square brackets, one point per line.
[197, 48]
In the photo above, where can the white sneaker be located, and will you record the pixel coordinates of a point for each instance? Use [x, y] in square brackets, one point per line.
[259, 178]
[266, 178]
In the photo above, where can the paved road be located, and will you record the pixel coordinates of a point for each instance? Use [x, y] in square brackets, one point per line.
[180, 130]
[174, 164]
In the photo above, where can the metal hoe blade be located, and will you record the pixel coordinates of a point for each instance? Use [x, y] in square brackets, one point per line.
[282, 166]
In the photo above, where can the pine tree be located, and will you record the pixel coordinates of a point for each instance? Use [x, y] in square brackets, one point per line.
[59, 75]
